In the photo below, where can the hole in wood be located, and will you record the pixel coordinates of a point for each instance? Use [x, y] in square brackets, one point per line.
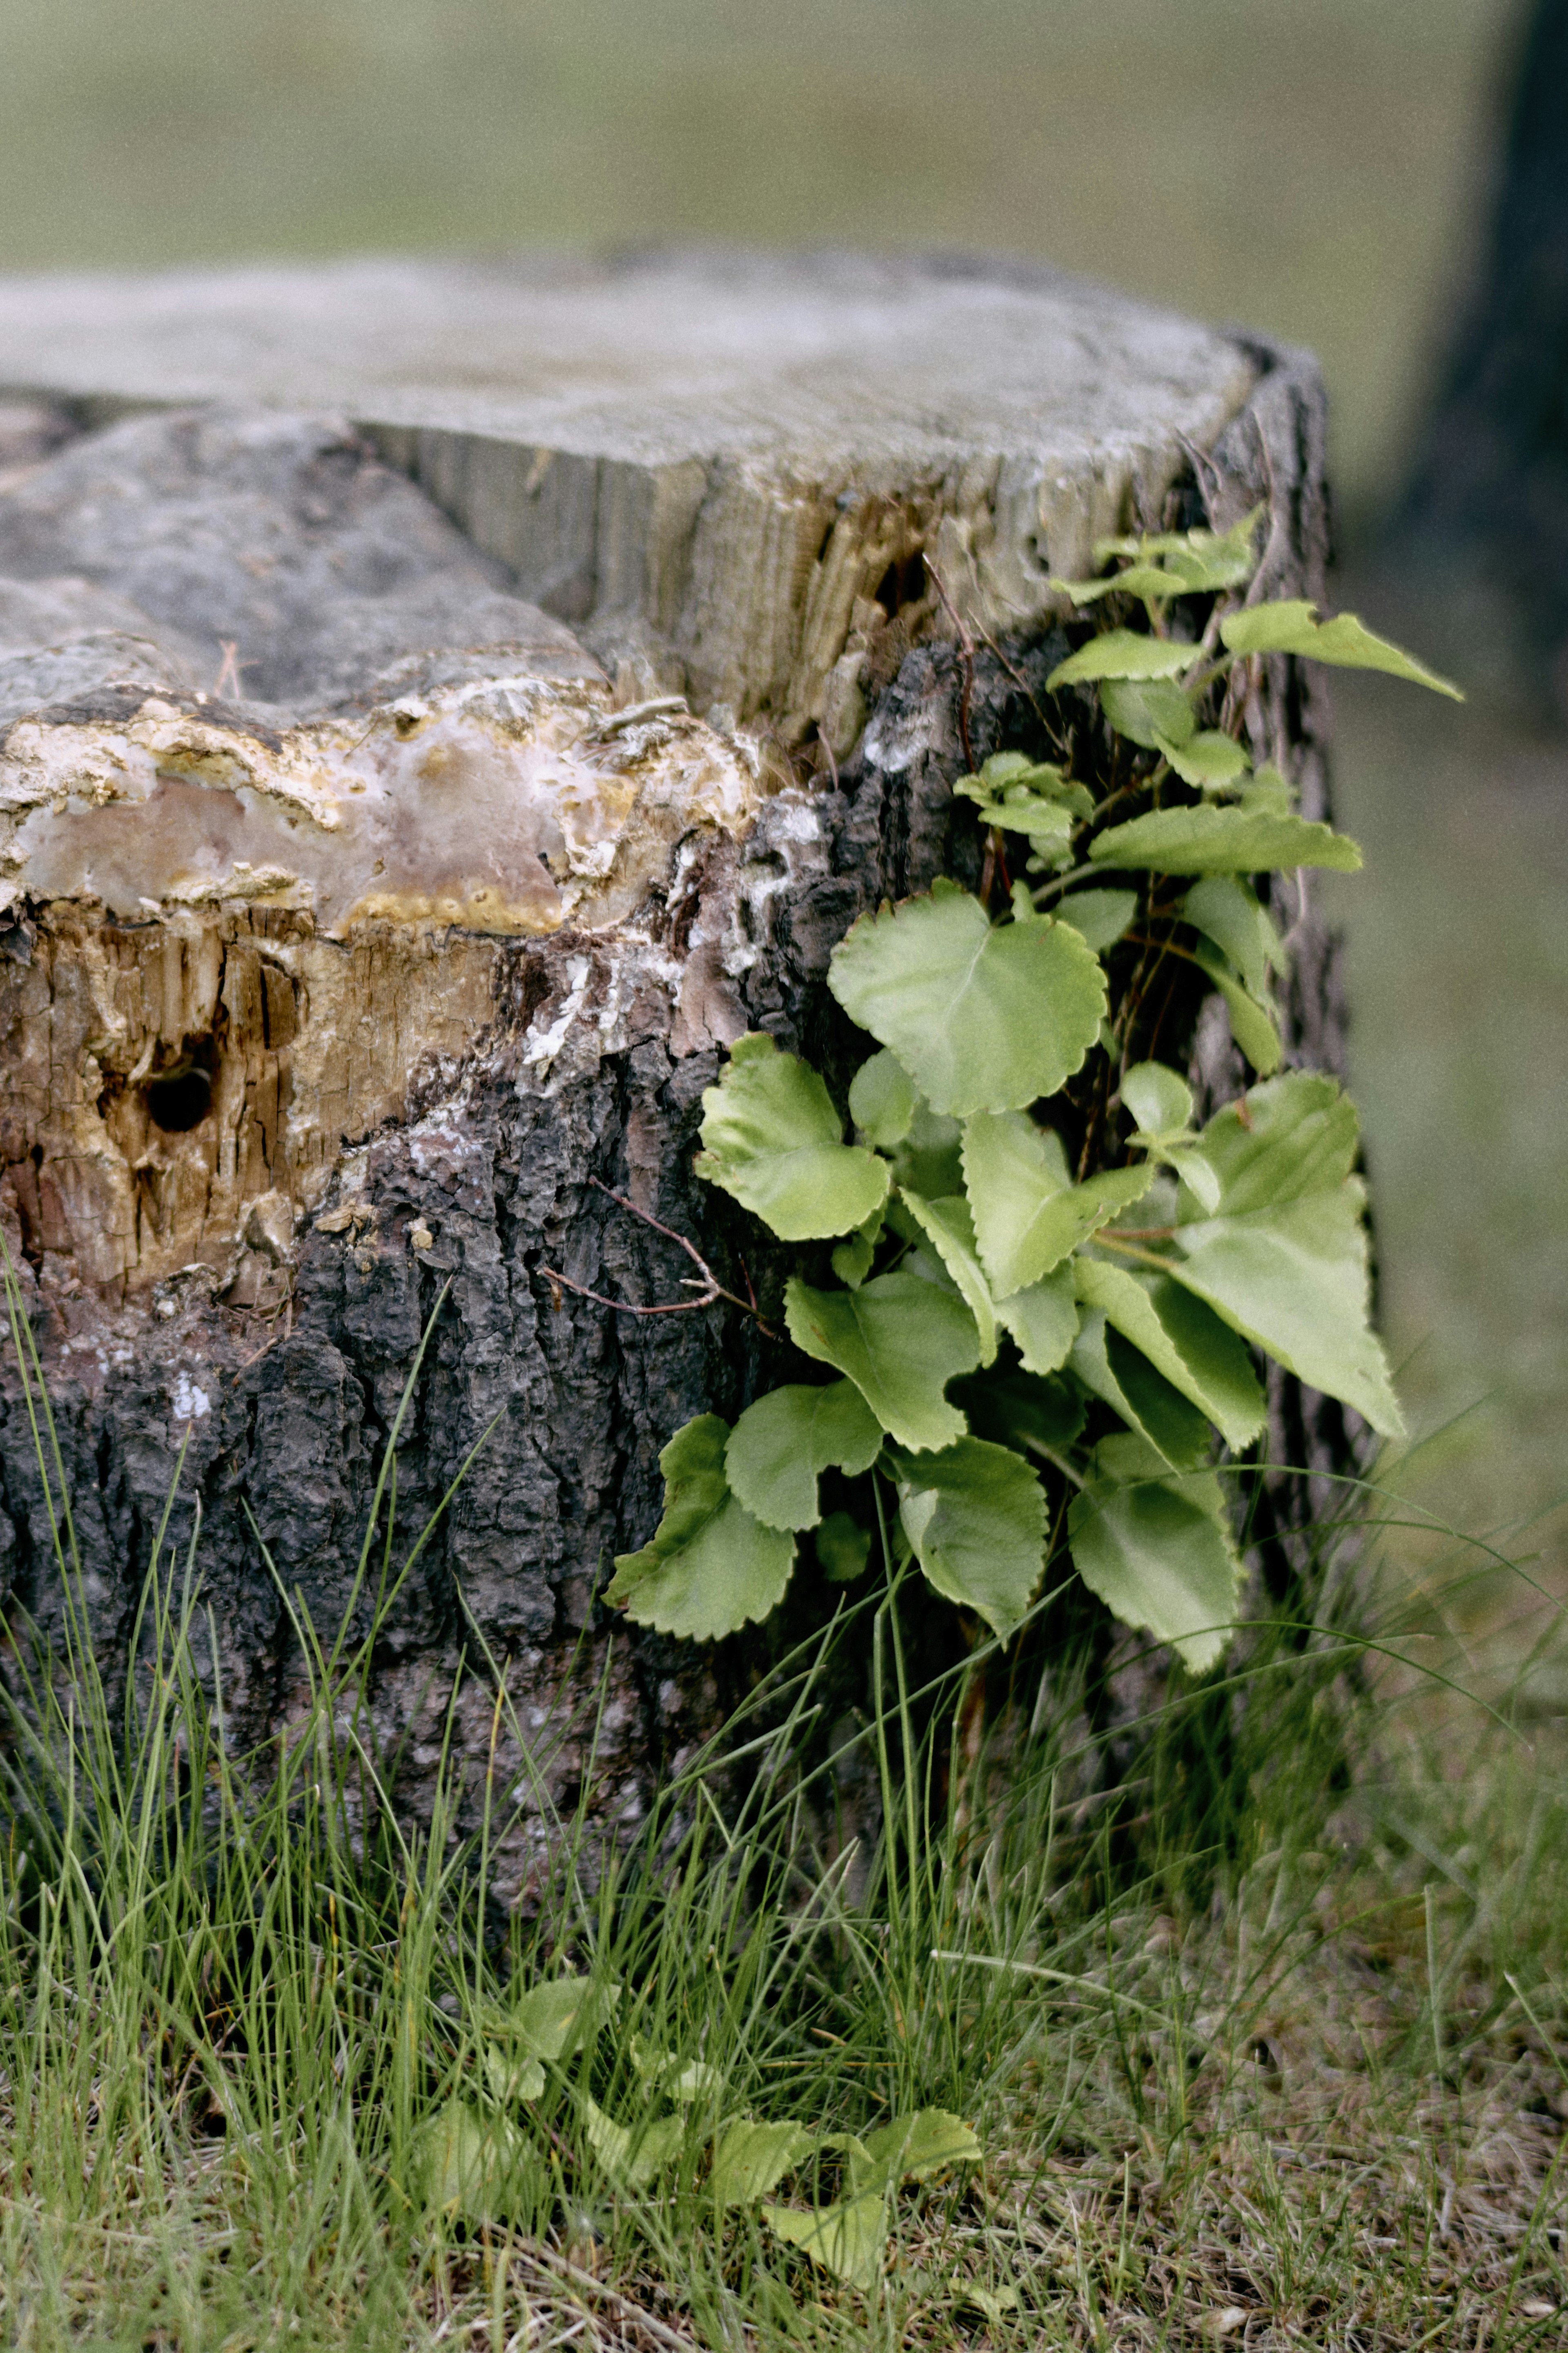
[181, 1099]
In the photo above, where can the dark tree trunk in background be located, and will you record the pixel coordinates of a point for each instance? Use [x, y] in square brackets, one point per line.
[1490, 494]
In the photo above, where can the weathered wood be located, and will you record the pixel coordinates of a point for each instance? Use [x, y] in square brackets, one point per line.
[362, 974]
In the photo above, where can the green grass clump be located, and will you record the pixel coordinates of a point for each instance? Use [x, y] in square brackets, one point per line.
[1247, 2044]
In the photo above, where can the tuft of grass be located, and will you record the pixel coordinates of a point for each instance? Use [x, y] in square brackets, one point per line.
[1258, 2048]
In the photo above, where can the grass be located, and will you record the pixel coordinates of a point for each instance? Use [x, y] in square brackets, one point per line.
[1263, 2034]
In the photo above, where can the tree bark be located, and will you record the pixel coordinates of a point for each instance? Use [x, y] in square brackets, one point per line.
[353, 999]
[1486, 513]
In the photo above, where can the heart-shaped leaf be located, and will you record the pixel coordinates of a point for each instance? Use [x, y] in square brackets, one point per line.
[1028, 1214]
[982, 1016]
[1157, 1549]
[1151, 711]
[900, 1341]
[882, 1100]
[845, 2239]
[781, 1445]
[752, 2159]
[775, 1143]
[1209, 761]
[1098, 917]
[710, 1565]
[975, 1516]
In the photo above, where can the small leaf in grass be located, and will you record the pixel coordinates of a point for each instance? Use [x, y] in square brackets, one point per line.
[710, 1565]
[1226, 910]
[1121, 1376]
[775, 1141]
[1122, 653]
[752, 2159]
[899, 1340]
[1209, 761]
[631, 2157]
[1251, 1024]
[1151, 713]
[950, 1230]
[1098, 917]
[982, 1016]
[1043, 1320]
[1157, 1549]
[975, 1516]
[511, 2075]
[882, 1100]
[913, 2147]
[1207, 841]
[843, 1547]
[1291, 627]
[847, 2239]
[1028, 1215]
[1159, 1098]
[467, 2164]
[554, 2016]
[780, 1445]
[1196, 1352]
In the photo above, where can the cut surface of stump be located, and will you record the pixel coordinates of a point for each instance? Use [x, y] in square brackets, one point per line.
[385, 864]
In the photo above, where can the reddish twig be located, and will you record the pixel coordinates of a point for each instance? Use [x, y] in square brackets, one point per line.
[712, 1290]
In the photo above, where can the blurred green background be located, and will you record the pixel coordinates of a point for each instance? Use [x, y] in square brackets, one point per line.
[1319, 168]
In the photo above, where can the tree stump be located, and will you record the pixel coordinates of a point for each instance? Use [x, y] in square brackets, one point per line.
[444, 707]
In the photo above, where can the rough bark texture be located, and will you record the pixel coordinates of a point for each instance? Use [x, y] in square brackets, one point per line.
[477, 1081]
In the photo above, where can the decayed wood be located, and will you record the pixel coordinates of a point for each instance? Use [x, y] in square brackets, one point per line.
[381, 939]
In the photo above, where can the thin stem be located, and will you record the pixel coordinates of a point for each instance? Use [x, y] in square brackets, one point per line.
[710, 1288]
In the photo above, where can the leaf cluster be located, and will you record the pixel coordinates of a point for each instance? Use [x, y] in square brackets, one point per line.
[1018, 1354]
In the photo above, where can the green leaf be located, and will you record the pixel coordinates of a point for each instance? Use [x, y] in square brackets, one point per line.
[1122, 653]
[555, 2015]
[661, 2071]
[511, 2076]
[900, 1341]
[1293, 1278]
[847, 2239]
[1204, 840]
[1291, 627]
[1227, 911]
[1121, 1376]
[882, 1100]
[1152, 712]
[1196, 1352]
[949, 1228]
[1022, 797]
[913, 2147]
[1199, 560]
[782, 1443]
[1043, 1320]
[1210, 760]
[466, 2163]
[843, 1548]
[1098, 917]
[632, 2158]
[1020, 1410]
[711, 1566]
[929, 1159]
[984, 1017]
[1159, 1098]
[1251, 1024]
[1295, 1135]
[1027, 1216]
[775, 1143]
[1157, 1550]
[1196, 1173]
[852, 1261]
[975, 1516]
[752, 2159]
